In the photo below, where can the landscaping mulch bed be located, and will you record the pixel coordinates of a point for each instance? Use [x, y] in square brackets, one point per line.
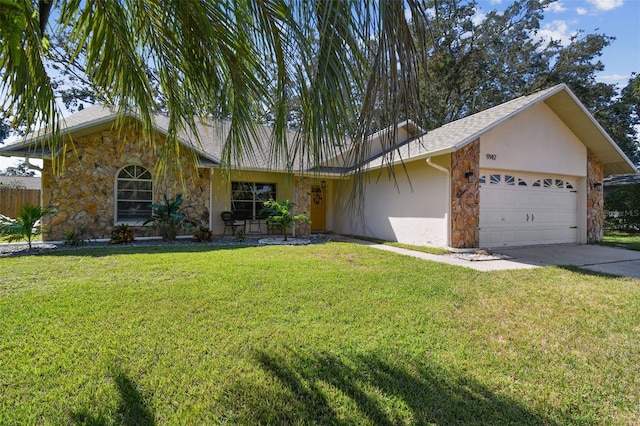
[22, 249]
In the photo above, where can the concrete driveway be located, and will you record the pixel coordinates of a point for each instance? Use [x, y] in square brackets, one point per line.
[610, 260]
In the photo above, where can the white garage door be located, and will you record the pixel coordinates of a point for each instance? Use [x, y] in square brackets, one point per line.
[526, 209]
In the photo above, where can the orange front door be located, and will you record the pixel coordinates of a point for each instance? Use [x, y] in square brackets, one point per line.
[318, 208]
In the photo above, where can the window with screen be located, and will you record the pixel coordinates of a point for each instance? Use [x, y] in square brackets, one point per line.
[247, 198]
[134, 194]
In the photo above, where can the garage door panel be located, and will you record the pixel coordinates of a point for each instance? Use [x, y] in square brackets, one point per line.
[537, 210]
[522, 236]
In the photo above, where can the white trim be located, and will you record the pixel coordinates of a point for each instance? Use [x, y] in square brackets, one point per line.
[137, 222]
[211, 174]
[447, 197]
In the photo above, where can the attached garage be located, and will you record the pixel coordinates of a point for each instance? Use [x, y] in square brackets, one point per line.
[527, 209]
[525, 172]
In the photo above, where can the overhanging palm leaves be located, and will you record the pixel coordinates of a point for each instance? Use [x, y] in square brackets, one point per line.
[352, 64]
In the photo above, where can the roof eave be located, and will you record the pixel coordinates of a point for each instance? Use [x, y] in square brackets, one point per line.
[626, 166]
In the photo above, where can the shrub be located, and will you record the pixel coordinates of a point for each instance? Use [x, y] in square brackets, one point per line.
[26, 226]
[123, 234]
[623, 209]
[202, 234]
[240, 234]
[76, 237]
[280, 215]
[167, 218]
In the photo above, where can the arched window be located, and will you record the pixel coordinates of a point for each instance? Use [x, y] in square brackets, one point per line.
[134, 194]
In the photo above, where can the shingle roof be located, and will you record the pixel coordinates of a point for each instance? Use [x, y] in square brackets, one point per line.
[211, 134]
[448, 138]
[621, 180]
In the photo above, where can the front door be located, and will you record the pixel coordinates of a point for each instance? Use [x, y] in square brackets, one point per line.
[318, 208]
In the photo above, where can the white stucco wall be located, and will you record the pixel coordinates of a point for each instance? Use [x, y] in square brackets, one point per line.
[412, 211]
[534, 141]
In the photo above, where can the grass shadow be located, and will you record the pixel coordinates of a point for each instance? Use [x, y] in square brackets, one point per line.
[131, 410]
[589, 272]
[327, 389]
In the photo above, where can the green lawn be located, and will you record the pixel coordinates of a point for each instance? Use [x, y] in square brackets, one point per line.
[622, 239]
[424, 249]
[322, 334]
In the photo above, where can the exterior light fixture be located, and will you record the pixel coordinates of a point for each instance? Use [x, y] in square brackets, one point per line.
[597, 187]
[469, 176]
[323, 184]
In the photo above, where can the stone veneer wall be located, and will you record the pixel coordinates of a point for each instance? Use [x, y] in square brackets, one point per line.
[303, 204]
[595, 199]
[465, 197]
[84, 192]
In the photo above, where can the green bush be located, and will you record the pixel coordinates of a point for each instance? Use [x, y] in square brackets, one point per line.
[622, 209]
[202, 234]
[167, 218]
[76, 237]
[123, 234]
[26, 226]
[240, 234]
[280, 215]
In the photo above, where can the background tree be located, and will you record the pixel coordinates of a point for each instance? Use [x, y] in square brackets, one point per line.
[621, 118]
[339, 70]
[476, 64]
[4, 130]
[22, 169]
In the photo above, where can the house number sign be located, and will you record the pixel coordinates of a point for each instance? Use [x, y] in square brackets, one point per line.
[491, 156]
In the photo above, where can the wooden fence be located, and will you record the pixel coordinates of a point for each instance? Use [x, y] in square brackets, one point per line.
[11, 200]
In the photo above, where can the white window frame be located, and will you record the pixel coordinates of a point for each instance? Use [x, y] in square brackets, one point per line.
[135, 177]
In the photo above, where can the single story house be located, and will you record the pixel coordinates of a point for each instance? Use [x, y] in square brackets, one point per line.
[529, 171]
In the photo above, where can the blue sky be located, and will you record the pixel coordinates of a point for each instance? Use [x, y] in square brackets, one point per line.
[616, 18]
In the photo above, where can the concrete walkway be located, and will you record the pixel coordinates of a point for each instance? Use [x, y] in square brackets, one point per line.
[610, 260]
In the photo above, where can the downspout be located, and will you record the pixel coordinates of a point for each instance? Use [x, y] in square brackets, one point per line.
[448, 195]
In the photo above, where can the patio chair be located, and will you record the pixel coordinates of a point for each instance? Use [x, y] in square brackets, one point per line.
[231, 222]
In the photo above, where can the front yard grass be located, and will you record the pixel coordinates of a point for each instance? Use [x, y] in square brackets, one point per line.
[628, 240]
[424, 249]
[322, 334]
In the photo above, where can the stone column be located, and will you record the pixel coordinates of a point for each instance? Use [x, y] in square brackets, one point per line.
[595, 199]
[465, 197]
[303, 204]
